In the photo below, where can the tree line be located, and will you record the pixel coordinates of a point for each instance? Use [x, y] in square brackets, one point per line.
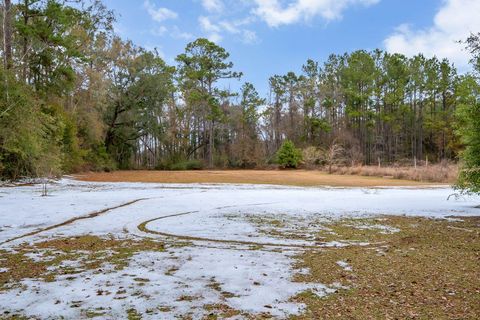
[75, 96]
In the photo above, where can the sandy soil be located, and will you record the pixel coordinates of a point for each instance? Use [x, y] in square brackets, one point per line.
[276, 177]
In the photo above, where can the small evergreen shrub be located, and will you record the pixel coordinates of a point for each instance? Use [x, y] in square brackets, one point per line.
[288, 156]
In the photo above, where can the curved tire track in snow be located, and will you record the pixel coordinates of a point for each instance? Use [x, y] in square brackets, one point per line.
[72, 220]
[143, 228]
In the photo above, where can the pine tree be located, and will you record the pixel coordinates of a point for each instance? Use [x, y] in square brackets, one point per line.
[468, 114]
[288, 156]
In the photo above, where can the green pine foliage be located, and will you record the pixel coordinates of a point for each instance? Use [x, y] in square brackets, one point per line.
[468, 127]
[468, 122]
[28, 141]
[288, 156]
[75, 96]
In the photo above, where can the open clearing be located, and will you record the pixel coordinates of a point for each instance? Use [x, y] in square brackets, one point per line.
[209, 251]
[302, 178]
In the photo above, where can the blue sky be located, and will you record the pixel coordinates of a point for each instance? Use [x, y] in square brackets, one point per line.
[267, 37]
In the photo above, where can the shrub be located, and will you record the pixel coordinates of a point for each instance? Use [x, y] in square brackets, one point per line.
[312, 156]
[181, 165]
[195, 165]
[98, 159]
[30, 132]
[288, 156]
[72, 159]
[468, 128]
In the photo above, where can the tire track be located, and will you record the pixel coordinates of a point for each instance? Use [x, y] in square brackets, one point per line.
[72, 220]
[246, 205]
[143, 228]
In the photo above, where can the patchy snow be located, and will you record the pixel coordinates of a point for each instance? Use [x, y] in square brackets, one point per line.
[344, 265]
[23, 210]
[383, 229]
[185, 279]
[250, 281]
[453, 219]
[41, 256]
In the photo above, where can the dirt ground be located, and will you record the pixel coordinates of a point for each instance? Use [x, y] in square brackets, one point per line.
[275, 177]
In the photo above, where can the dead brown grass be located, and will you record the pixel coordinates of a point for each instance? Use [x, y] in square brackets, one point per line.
[428, 270]
[96, 251]
[433, 173]
[274, 177]
[220, 311]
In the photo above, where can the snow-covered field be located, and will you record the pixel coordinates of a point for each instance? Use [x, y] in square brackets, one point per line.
[228, 255]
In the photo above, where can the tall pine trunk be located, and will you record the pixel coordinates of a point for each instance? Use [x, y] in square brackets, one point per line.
[7, 34]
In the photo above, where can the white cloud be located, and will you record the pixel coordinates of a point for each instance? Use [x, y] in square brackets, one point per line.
[236, 28]
[207, 25]
[453, 22]
[159, 31]
[249, 37]
[176, 33]
[215, 30]
[213, 5]
[212, 30]
[215, 37]
[159, 14]
[276, 14]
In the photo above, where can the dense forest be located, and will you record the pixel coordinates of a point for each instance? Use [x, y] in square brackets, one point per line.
[75, 96]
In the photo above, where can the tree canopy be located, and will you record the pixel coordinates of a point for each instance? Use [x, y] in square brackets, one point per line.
[468, 126]
[75, 96]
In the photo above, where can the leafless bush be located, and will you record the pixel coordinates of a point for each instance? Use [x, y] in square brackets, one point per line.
[312, 156]
[332, 155]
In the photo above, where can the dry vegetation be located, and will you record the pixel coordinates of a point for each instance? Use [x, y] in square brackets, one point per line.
[428, 270]
[276, 177]
[442, 173]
